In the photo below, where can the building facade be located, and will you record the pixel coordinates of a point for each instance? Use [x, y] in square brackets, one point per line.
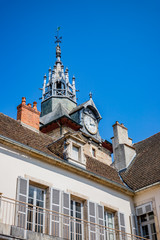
[57, 178]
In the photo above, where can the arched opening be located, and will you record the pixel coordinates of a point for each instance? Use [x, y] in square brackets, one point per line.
[60, 88]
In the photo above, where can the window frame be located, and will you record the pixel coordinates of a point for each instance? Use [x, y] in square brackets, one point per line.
[74, 217]
[33, 223]
[106, 222]
[147, 223]
[79, 152]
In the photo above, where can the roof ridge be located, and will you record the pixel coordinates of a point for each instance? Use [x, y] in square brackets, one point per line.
[146, 138]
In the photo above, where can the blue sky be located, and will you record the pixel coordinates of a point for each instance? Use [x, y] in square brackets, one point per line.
[112, 48]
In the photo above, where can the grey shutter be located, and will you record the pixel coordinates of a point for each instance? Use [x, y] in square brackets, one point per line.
[55, 203]
[122, 227]
[134, 226]
[66, 219]
[21, 208]
[92, 219]
[100, 221]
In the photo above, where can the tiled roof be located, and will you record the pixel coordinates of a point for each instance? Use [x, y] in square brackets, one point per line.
[145, 168]
[13, 129]
[102, 169]
[57, 147]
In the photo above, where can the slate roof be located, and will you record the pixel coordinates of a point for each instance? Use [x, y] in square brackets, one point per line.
[58, 112]
[78, 108]
[145, 168]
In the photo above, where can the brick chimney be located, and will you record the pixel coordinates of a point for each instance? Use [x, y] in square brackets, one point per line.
[123, 150]
[28, 115]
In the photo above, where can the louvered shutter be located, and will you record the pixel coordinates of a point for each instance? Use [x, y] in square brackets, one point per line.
[92, 219]
[145, 208]
[22, 196]
[55, 203]
[100, 221]
[66, 219]
[122, 226]
[134, 226]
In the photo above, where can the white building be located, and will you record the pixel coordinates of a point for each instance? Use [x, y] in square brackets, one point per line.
[57, 179]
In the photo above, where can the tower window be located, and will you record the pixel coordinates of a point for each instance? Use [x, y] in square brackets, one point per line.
[93, 152]
[59, 85]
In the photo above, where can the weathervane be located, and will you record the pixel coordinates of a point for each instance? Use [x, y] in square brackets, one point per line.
[58, 39]
[90, 94]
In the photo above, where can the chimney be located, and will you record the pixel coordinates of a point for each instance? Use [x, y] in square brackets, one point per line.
[28, 115]
[123, 150]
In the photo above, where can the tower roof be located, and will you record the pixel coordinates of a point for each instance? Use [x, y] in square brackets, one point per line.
[58, 84]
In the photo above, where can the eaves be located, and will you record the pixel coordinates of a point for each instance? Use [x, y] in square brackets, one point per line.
[65, 165]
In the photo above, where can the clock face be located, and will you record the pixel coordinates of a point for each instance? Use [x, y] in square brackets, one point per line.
[90, 124]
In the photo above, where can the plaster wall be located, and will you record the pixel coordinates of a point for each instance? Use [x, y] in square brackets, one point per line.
[151, 194]
[14, 164]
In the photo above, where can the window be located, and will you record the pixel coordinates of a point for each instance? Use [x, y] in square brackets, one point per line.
[75, 152]
[109, 224]
[35, 216]
[147, 226]
[93, 152]
[76, 222]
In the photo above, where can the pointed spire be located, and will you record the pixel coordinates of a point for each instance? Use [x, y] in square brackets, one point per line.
[44, 87]
[50, 74]
[58, 49]
[74, 87]
[58, 80]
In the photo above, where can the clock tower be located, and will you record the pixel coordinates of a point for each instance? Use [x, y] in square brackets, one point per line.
[60, 114]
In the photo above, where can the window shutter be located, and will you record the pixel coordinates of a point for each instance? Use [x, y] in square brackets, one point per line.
[145, 208]
[100, 221]
[92, 219]
[22, 196]
[134, 225]
[55, 203]
[122, 227]
[66, 219]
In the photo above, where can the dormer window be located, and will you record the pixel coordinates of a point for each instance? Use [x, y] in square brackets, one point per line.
[75, 152]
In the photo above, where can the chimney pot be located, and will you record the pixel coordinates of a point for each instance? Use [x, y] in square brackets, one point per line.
[29, 105]
[35, 105]
[23, 100]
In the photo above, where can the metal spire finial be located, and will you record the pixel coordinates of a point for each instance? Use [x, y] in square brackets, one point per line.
[58, 39]
[90, 95]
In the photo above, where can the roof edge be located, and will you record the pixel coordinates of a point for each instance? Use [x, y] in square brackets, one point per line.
[146, 187]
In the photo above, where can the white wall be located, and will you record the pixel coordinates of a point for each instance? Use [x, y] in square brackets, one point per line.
[14, 164]
[151, 194]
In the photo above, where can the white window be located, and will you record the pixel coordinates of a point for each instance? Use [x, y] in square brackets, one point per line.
[76, 220]
[75, 152]
[35, 216]
[147, 225]
[109, 224]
